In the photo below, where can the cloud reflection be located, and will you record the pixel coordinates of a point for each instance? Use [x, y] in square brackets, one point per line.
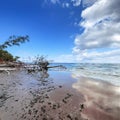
[101, 97]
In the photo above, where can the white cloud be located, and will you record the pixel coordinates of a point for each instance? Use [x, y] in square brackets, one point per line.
[55, 1]
[105, 34]
[65, 5]
[112, 56]
[101, 22]
[93, 56]
[100, 11]
[101, 25]
[76, 2]
[87, 3]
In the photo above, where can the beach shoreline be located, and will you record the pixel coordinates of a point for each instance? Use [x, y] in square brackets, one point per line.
[54, 96]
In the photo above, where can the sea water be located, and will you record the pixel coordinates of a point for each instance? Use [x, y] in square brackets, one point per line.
[105, 72]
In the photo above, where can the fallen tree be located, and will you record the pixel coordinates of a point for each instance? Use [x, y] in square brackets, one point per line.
[41, 64]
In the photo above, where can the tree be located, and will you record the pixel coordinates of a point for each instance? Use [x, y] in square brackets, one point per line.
[16, 58]
[12, 40]
[6, 56]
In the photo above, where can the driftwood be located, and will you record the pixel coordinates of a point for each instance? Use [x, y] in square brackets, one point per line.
[40, 64]
[32, 68]
[61, 66]
[7, 69]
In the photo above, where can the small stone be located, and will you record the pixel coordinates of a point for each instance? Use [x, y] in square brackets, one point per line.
[29, 112]
[69, 117]
[54, 106]
[49, 103]
[43, 109]
[60, 86]
[64, 101]
[82, 106]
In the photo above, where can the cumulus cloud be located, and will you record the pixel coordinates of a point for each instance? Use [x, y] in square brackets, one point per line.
[105, 34]
[101, 23]
[94, 56]
[91, 56]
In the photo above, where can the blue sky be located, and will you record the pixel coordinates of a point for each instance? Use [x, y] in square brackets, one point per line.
[65, 30]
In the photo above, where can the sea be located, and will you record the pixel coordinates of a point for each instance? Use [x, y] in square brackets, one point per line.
[98, 71]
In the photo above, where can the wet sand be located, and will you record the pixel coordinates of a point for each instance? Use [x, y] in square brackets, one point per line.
[56, 96]
[102, 99]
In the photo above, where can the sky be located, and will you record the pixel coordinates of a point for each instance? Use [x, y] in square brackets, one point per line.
[63, 30]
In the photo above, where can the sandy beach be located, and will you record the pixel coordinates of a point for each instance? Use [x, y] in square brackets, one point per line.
[56, 96]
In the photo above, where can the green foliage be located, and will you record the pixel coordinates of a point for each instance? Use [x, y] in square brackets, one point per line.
[16, 58]
[14, 40]
[6, 56]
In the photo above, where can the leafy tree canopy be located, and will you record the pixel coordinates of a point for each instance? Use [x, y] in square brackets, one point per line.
[13, 40]
[6, 56]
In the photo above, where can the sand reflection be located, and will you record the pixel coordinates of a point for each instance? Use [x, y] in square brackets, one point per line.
[102, 98]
